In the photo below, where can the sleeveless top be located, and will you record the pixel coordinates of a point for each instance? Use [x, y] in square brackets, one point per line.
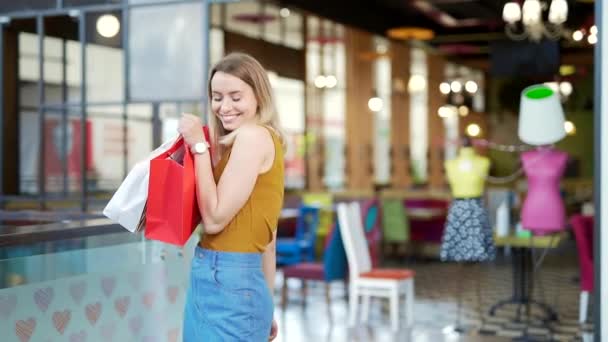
[251, 229]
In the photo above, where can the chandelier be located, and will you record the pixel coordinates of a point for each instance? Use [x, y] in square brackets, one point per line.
[530, 14]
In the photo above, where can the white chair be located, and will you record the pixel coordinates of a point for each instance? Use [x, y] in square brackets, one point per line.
[366, 282]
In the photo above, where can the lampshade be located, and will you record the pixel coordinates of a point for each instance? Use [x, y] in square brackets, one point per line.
[541, 116]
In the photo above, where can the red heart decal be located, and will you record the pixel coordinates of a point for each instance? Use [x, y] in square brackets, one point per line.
[122, 305]
[108, 284]
[43, 298]
[135, 325]
[93, 311]
[25, 329]
[77, 291]
[173, 334]
[79, 336]
[148, 299]
[107, 331]
[61, 320]
[8, 303]
[172, 294]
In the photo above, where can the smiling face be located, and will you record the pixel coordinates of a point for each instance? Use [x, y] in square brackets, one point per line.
[232, 101]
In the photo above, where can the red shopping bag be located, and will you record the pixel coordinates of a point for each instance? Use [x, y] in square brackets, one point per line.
[172, 211]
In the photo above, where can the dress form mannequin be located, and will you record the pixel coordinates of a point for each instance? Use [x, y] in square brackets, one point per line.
[543, 209]
[467, 173]
[467, 237]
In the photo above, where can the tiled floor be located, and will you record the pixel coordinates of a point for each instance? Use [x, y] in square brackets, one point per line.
[436, 307]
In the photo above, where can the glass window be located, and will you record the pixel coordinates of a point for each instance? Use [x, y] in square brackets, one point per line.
[419, 118]
[106, 148]
[245, 17]
[289, 95]
[166, 52]
[272, 27]
[293, 30]
[382, 139]
[216, 14]
[139, 132]
[26, 5]
[104, 57]
[68, 3]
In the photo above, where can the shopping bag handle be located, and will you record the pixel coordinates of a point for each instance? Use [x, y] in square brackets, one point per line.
[179, 142]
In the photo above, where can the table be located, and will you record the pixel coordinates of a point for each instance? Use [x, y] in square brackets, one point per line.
[523, 269]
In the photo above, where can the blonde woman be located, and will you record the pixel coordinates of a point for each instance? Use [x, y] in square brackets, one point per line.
[240, 199]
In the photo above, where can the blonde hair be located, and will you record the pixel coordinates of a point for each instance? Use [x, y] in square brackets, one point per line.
[250, 71]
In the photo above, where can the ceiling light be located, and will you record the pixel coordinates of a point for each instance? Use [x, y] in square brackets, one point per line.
[473, 130]
[592, 39]
[320, 81]
[375, 104]
[284, 12]
[456, 86]
[471, 87]
[569, 128]
[463, 110]
[565, 88]
[577, 35]
[593, 30]
[108, 25]
[445, 88]
[330, 81]
[530, 14]
[416, 84]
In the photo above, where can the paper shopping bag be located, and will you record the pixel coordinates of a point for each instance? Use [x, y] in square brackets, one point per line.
[172, 211]
[127, 205]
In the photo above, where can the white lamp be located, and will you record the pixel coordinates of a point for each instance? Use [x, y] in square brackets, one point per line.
[541, 116]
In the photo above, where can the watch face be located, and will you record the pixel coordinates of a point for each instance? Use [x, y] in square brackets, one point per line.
[200, 147]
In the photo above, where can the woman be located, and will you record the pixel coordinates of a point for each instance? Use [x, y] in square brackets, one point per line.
[240, 199]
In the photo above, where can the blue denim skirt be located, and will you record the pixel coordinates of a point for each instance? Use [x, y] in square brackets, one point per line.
[228, 298]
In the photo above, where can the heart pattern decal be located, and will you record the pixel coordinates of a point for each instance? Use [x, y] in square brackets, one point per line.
[172, 294]
[8, 303]
[77, 291]
[43, 298]
[24, 329]
[148, 299]
[121, 305]
[61, 319]
[107, 285]
[135, 325]
[80, 336]
[93, 311]
[108, 330]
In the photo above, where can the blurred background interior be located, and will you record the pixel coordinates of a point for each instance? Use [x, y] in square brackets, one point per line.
[375, 97]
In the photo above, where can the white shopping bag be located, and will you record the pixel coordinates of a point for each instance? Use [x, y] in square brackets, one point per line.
[127, 205]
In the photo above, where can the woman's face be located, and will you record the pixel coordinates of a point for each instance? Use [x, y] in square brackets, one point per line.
[232, 100]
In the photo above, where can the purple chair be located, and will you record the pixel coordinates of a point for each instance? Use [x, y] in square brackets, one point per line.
[583, 233]
[333, 267]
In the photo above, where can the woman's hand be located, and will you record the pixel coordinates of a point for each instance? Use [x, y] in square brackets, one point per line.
[190, 127]
[274, 330]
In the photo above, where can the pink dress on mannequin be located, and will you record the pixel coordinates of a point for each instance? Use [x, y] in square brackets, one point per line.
[543, 210]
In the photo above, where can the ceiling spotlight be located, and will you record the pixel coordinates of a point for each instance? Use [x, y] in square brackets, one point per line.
[565, 88]
[471, 87]
[473, 130]
[320, 81]
[108, 25]
[592, 39]
[593, 30]
[330, 81]
[569, 128]
[577, 35]
[284, 12]
[456, 86]
[445, 88]
[375, 104]
[463, 110]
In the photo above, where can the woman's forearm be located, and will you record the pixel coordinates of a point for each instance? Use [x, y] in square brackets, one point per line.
[208, 199]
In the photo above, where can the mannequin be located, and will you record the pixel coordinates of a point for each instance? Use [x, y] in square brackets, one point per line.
[468, 235]
[541, 124]
[543, 209]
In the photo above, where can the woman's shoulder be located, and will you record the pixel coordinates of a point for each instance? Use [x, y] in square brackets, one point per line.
[254, 137]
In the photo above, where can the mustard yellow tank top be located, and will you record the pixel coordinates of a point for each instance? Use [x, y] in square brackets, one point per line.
[251, 229]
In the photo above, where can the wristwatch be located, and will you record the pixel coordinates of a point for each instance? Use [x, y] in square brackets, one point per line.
[200, 147]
